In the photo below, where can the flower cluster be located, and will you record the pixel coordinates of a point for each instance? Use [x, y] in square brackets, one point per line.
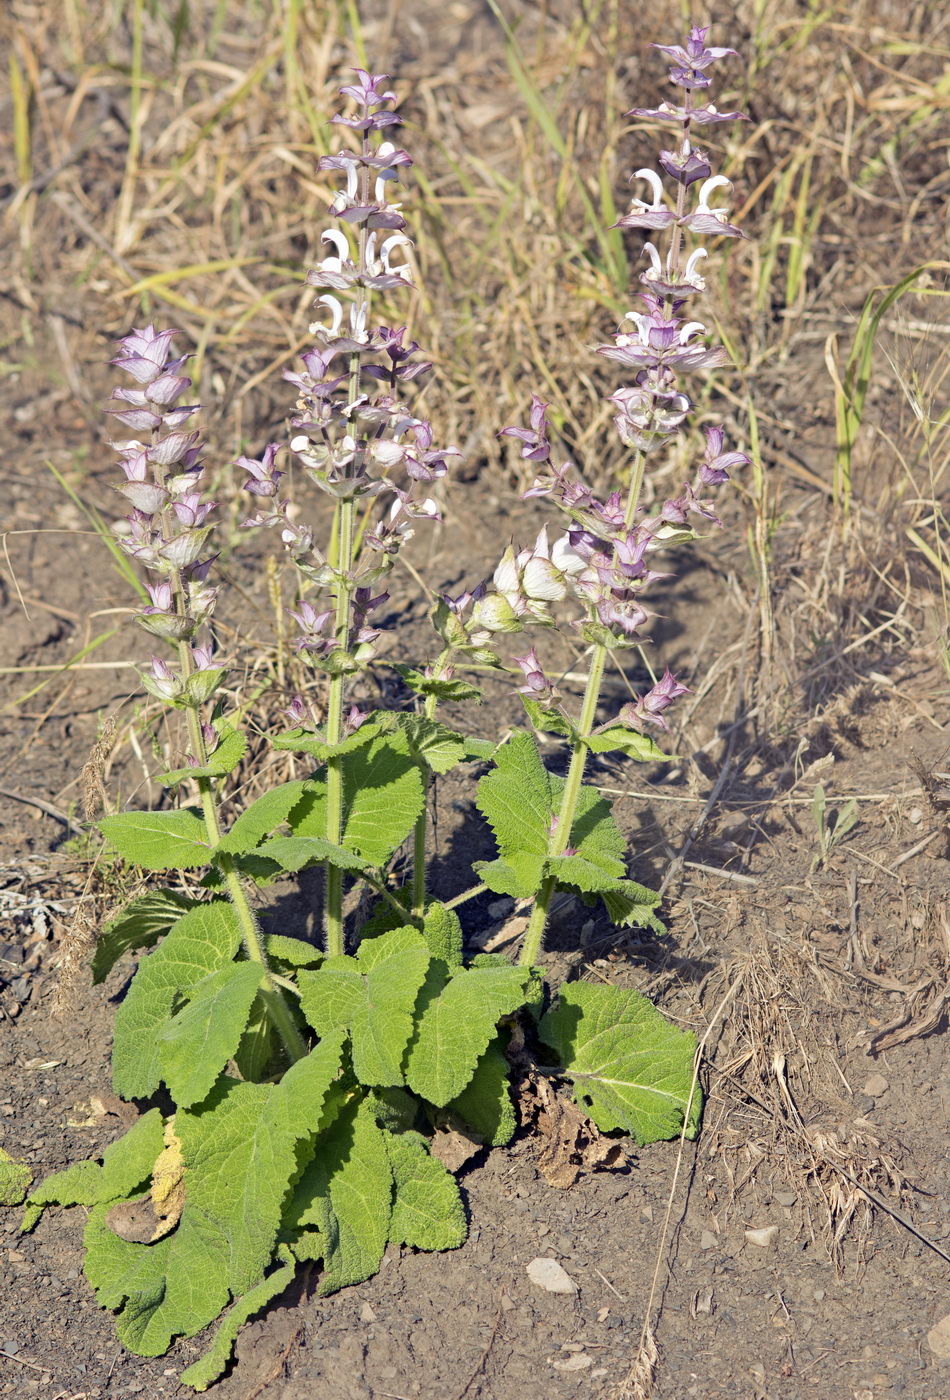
[168, 527]
[352, 434]
[603, 557]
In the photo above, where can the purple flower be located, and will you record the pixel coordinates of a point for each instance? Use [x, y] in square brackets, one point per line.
[536, 447]
[714, 469]
[687, 166]
[536, 684]
[264, 477]
[366, 90]
[694, 53]
[650, 708]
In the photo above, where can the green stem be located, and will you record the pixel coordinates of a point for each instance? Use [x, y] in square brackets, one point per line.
[534, 935]
[270, 994]
[565, 817]
[421, 827]
[333, 917]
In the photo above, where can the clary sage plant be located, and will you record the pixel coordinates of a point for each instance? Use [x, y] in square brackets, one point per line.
[301, 1085]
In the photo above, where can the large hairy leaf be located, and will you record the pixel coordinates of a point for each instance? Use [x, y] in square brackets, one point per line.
[346, 1194]
[382, 797]
[159, 840]
[206, 1370]
[240, 1156]
[203, 940]
[427, 1210]
[232, 746]
[459, 1017]
[263, 816]
[515, 798]
[485, 1103]
[195, 1045]
[629, 1066]
[140, 925]
[372, 996]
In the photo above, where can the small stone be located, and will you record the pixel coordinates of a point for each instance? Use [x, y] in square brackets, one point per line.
[915, 816]
[786, 1198]
[764, 1237]
[578, 1362]
[864, 1103]
[16, 1256]
[819, 1295]
[646, 1213]
[367, 1314]
[549, 1275]
[876, 1086]
[938, 1338]
[499, 908]
[10, 1348]
[708, 1240]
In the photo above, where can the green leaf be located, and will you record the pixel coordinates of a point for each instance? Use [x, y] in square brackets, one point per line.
[631, 905]
[196, 1044]
[126, 1166]
[372, 996]
[630, 1068]
[209, 1367]
[583, 874]
[441, 689]
[485, 1103]
[432, 743]
[442, 931]
[346, 1192]
[306, 741]
[263, 817]
[258, 1044]
[232, 746]
[427, 1210]
[203, 940]
[520, 875]
[515, 799]
[480, 750]
[639, 747]
[382, 797]
[295, 952]
[240, 1156]
[15, 1179]
[459, 1018]
[548, 721]
[140, 925]
[159, 840]
[292, 853]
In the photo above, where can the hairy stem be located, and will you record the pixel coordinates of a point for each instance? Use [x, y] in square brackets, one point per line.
[333, 918]
[270, 993]
[422, 821]
[534, 935]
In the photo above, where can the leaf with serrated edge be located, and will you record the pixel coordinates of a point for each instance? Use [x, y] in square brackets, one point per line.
[520, 875]
[382, 797]
[126, 1165]
[630, 1068]
[427, 1209]
[263, 816]
[456, 1025]
[373, 996]
[630, 904]
[440, 748]
[159, 840]
[584, 874]
[196, 1044]
[140, 925]
[294, 852]
[639, 747]
[485, 1103]
[240, 1155]
[515, 798]
[209, 1367]
[203, 940]
[442, 931]
[15, 1179]
[346, 1192]
[231, 749]
[296, 952]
